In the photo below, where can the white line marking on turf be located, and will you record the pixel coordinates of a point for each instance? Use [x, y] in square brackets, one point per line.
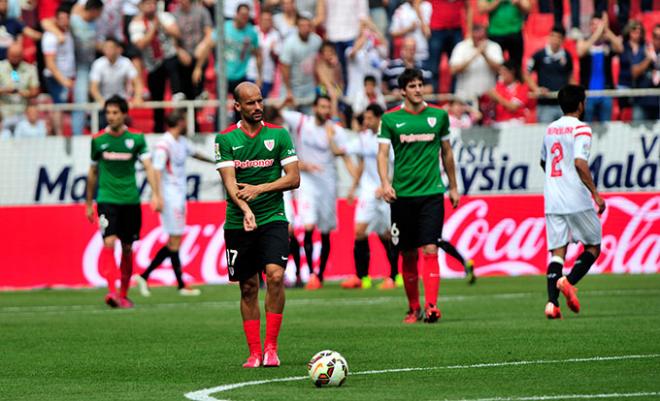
[205, 394]
[564, 397]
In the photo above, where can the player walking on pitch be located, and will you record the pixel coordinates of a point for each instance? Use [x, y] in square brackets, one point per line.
[250, 156]
[170, 169]
[114, 153]
[417, 132]
[569, 211]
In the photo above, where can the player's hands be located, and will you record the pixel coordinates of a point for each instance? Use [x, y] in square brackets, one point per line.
[157, 203]
[350, 197]
[247, 192]
[89, 213]
[249, 221]
[389, 194]
[600, 203]
[454, 197]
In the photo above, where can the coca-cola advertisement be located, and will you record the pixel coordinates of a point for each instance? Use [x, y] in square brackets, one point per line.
[55, 246]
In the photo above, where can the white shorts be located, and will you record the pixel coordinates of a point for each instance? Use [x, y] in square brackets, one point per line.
[581, 227]
[374, 212]
[173, 216]
[317, 204]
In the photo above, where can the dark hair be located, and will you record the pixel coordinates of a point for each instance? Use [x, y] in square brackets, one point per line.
[94, 5]
[238, 9]
[172, 119]
[118, 101]
[559, 29]
[63, 8]
[370, 78]
[409, 75]
[514, 68]
[570, 97]
[115, 41]
[319, 97]
[376, 109]
[326, 44]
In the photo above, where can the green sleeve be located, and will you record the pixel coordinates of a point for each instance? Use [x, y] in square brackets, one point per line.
[95, 154]
[444, 126]
[224, 156]
[287, 152]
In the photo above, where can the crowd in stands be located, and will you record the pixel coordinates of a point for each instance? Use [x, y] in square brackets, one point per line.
[499, 58]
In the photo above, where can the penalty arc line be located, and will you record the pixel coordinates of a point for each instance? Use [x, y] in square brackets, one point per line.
[205, 394]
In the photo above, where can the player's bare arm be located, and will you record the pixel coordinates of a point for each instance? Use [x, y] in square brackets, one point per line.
[359, 169]
[92, 178]
[228, 175]
[389, 194]
[156, 199]
[330, 132]
[450, 169]
[290, 180]
[582, 168]
[203, 158]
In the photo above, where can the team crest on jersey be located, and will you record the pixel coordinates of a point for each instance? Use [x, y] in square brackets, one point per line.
[129, 143]
[431, 121]
[269, 144]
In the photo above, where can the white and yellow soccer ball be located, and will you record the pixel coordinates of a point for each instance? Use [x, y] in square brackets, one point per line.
[327, 369]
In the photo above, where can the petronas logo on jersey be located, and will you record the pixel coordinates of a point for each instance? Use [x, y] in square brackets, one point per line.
[431, 121]
[129, 143]
[269, 144]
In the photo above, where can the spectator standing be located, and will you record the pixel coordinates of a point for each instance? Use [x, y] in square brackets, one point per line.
[306, 6]
[634, 52]
[364, 58]
[595, 55]
[60, 62]
[505, 23]
[446, 32]
[558, 14]
[511, 97]
[83, 29]
[285, 21]
[11, 29]
[328, 75]
[646, 75]
[369, 94]
[231, 8]
[475, 62]
[31, 126]
[554, 69]
[461, 116]
[241, 42]
[270, 46]
[194, 22]
[411, 20]
[110, 24]
[154, 34]
[19, 83]
[378, 14]
[297, 58]
[396, 67]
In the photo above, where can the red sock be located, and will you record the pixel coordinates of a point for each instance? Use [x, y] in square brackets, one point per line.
[252, 330]
[126, 273]
[431, 273]
[411, 281]
[108, 268]
[273, 323]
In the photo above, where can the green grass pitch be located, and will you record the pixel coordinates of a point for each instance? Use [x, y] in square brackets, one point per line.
[67, 345]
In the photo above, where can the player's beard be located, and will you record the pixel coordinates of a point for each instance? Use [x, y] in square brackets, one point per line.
[254, 117]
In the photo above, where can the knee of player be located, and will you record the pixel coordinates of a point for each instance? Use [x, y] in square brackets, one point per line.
[250, 290]
[360, 235]
[275, 277]
[127, 248]
[110, 241]
[430, 249]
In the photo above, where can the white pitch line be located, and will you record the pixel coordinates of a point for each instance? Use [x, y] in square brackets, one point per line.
[565, 397]
[205, 394]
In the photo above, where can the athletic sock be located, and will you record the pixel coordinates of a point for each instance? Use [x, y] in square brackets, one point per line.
[176, 266]
[325, 253]
[361, 256]
[273, 324]
[126, 268]
[309, 250]
[108, 268]
[431, 272]
[294, 250]
[392, 257]
[581, 267]
[162, 254]
[451, 250]
[554, 274]
[411, 282]
[252, 330]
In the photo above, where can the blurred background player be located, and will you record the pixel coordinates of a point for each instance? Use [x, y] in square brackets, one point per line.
[250, 157]
[170, 169]
[569, 212]
[319, 141]
[114, 153]
[372, 213]
[418, 133]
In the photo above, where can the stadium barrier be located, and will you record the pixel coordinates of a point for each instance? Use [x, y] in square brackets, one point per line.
[499, 224]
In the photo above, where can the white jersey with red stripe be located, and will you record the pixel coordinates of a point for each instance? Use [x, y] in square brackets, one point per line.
[565, 140]
[170, 157]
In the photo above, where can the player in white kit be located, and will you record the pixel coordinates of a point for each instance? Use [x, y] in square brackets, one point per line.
[170, 164]
[372, 213]
[568, 193]
[318, 142]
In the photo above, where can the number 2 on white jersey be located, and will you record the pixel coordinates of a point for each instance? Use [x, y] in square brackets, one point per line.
[557, 156]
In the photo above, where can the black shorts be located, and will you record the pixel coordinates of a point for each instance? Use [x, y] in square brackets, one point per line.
[417, 221]
[248, 253]
[124, 221]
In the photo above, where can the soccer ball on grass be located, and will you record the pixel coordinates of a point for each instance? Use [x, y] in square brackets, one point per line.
[328, 368]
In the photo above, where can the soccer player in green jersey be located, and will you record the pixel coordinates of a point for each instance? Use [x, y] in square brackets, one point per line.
[417, 132]
[250, 157]
[114, 153]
